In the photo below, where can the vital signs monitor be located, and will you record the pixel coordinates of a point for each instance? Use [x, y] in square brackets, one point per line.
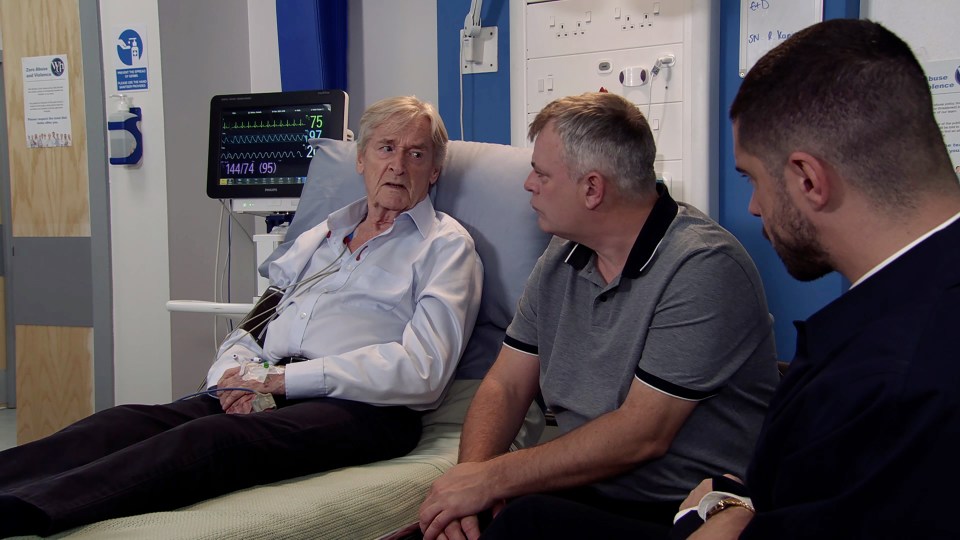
[259, 145]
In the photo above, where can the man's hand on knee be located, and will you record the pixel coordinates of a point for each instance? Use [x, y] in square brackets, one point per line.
[465, 528]
[459, 494]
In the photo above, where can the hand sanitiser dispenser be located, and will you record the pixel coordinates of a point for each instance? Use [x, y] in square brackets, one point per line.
[123, 126]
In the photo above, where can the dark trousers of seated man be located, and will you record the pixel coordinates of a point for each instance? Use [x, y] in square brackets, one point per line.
[581, 513]
[134, 459]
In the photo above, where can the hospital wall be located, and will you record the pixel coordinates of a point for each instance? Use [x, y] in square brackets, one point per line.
[164, 230]
[487, 118]
[926, 24]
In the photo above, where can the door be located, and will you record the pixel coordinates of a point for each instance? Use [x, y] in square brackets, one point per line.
[51, 228]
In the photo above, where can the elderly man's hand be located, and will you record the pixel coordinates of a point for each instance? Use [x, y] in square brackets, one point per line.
[241, 402]
[454, 500]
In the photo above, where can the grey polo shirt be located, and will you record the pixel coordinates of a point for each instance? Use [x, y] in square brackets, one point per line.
[687, 316]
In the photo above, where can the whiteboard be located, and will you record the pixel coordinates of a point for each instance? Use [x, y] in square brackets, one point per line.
[764, 24]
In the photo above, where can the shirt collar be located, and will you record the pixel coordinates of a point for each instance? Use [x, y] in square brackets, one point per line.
[906, 248]
[927, 268]
[651, 234]
[423, 215]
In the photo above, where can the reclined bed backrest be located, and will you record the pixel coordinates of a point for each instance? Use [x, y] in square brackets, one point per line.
[482, 187]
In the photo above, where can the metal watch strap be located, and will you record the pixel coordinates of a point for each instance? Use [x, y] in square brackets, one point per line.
[728, 502]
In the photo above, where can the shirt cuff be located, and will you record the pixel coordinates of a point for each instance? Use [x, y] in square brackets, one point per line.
[305, 380]
[683, 512]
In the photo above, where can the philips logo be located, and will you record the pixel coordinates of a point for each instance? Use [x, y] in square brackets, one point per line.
[270, 190]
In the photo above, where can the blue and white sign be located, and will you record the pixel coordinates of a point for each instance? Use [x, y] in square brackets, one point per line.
[130, 58]
[944, 79]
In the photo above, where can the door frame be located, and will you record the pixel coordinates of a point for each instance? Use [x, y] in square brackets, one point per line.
[8, 377]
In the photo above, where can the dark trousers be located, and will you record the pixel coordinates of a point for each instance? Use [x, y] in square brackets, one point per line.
[134, 459]
[581, 513]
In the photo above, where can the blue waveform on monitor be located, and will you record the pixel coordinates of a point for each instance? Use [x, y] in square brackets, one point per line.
[262, 155]
[264, 138]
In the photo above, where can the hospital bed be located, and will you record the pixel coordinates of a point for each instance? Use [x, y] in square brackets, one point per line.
[481, 186]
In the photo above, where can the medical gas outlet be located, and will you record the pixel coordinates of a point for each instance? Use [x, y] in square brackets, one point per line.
[125, 139]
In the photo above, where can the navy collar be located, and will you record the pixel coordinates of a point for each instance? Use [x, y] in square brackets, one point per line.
[919, 274]
[926, 269]
[651, 234]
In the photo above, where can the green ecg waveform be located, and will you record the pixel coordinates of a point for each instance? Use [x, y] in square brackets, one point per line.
[264, 124]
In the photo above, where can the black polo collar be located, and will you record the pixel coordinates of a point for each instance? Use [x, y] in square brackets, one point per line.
[661, 216]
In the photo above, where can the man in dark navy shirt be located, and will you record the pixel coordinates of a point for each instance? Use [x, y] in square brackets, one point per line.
[835, 131]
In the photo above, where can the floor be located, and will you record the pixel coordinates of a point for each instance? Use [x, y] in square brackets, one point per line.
[8, 428]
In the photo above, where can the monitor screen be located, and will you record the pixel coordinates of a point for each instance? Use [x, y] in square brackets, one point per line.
[259, 142]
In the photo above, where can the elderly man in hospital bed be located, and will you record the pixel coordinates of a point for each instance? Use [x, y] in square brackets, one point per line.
[377, 305]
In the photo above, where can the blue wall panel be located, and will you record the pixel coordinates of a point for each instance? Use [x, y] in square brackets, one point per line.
[312, 38]
[486, 96]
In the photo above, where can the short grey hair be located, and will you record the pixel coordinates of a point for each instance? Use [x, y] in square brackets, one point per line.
[605, 133]
[400, 111]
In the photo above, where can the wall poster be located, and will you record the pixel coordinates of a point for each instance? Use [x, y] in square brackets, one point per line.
[46, 101]
[944, 79]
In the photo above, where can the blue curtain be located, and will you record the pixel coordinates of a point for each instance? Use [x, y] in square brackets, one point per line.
[313, 44]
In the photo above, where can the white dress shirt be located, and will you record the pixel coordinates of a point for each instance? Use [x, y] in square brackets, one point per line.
[388, 324]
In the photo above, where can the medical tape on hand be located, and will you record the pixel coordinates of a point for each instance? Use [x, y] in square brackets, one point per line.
[257, 371]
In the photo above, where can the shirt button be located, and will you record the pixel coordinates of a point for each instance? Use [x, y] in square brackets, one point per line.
[303, 315]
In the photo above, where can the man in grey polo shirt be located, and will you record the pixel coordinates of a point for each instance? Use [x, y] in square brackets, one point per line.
[645, 327]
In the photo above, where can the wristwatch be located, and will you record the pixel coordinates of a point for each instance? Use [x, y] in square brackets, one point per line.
[728, 502]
